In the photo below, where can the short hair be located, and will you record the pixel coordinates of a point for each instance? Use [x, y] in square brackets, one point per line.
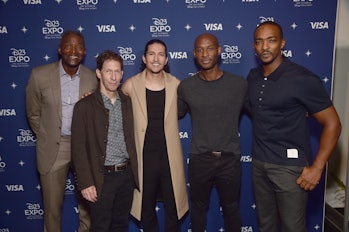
[273, 24]
[108, 55]
[71, 32]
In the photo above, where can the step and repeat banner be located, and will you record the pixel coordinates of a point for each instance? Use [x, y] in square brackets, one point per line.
[30, 31]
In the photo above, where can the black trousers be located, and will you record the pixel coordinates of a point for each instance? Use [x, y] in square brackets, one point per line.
[111, 211]
[224, 172]
[157, 185]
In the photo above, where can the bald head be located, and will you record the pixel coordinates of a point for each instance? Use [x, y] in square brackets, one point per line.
[206, 36]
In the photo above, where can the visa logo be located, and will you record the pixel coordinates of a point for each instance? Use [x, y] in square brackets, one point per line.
[32, 2]
[14, 188]
[178, 55]
[106, 28]
[3, 30]
[213, 26]
[7, 112]
[319, 25]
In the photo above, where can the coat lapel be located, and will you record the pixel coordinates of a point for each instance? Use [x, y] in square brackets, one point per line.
[56, 89]
[140, 92]
[170, 94]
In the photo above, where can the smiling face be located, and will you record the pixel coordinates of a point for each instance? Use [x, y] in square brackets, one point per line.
[155, 58]
[72, 51]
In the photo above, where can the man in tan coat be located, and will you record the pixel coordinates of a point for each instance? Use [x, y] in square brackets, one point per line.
[159, 152]
[51, 93]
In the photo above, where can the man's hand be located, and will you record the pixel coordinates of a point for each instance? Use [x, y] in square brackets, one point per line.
[85, 95]
[309, 178]
[90, 193]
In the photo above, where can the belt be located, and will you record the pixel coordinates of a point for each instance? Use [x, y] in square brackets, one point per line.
[117, 168]
[216, 153]
[219, 154]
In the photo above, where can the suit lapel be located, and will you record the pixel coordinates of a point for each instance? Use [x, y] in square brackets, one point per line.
[140, 93]
[56, 89]
[83, 87]
[170, 89]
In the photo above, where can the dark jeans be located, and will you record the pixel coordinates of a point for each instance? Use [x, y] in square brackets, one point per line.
[111, 211]
[280, 202]
[206, 171]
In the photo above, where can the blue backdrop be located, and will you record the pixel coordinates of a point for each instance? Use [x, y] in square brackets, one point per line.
[30, 31]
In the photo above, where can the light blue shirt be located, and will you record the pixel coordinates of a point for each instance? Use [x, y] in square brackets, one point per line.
[70, 95]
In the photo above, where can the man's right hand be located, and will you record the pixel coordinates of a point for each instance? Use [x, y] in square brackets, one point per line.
[90, 193]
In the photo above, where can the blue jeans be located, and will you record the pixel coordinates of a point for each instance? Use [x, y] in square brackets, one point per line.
[281, 202]
[206, 171]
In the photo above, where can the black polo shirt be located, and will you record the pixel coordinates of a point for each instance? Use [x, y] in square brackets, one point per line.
[279, 107]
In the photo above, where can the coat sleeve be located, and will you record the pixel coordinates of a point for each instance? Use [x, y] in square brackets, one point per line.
[33, 103]
[79, 144]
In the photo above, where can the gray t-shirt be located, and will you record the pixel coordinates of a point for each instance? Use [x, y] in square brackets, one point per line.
[214, 107]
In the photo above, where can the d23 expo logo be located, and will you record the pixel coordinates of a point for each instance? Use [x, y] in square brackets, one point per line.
[52, 29]
[19, 58]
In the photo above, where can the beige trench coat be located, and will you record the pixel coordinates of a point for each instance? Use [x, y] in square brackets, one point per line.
[174, 148]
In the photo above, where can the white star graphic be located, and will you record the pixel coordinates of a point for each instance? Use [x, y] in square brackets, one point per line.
[4, 1]
[253, 206]
[21, 163]
[316, 227]
[80, 28]
[132, 28]
[221, 229]
[38, 187]
[188, 27]
[46, 57]
[24, 29]
[59, 1]
[115, 1]
[294, 25]
[239, 26]
[1, 138]
[13, 85]
[8, 212]
[308, 53]
[325, 79]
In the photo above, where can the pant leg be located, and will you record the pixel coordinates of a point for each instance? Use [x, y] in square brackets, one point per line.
[290, 197]
[151, 188]
[122, 202]
[200, 170]
[53, 188]
[286, 211]
[84, 213]
[115, 197]
[172, 223]
[266, 205]
[228, 182]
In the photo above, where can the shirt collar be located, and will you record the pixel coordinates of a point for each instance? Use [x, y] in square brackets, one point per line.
[63, 73]
[279, 70]
[107, 100]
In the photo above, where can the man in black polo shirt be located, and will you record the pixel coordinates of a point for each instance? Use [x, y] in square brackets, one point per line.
[282, 96]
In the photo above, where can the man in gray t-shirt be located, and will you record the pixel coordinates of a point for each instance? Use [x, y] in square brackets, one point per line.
[214, 99]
